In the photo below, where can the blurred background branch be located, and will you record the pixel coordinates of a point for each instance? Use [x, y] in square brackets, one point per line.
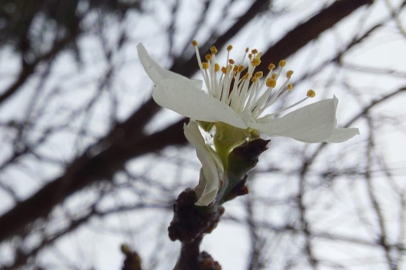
[85, 151]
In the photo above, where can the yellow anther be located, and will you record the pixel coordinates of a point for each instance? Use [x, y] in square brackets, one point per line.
[247, 49]
[282, 63]
[254, 79]
[194, 43]
[259, 74]
[241, 68]
[213, 49]
[245, 76]
[216, 67]
[231, 61]
[229, 47]
[255, 62]
[258, 56]
[311, 93]
[205, 65]
[271, 66]
[208, 57]
[271, 83]
[254, 51]
[289, 87]
[289, 74]
[235, 69]
[273, 76]
[224, 70]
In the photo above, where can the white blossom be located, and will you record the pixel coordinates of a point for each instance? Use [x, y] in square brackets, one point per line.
[242, 100]
[237, 100]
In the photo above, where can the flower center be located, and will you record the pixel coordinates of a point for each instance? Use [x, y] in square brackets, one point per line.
[243, 88]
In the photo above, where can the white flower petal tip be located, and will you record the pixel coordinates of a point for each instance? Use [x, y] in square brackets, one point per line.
[340, 135]
[312, 123]
[153, 70]
[193, 135]
[157, 73]
[207, 198]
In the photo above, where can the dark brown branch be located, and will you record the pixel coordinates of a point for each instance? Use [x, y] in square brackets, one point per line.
[289, 229]
[383, 235]
[29, 68]
[305, 226]
[302, 34]
[189, 225]
[83, 171]
[255, 261]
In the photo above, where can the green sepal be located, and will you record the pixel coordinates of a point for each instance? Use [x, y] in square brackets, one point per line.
[226, 139]
[206, 126]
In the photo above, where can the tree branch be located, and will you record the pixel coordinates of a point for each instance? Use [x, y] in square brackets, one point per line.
[126, 140]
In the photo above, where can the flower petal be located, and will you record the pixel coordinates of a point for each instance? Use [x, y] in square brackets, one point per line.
[209, 167]
[342, 134]
[205, 197]
[193, 135]
[312, 123]
[157, 73]
[179, 96]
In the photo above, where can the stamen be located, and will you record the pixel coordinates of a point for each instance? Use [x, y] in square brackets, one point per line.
[282, 63]
[246, 92]
[241, 68]
[232, 99]
[252, 94]
[204, 72]
[266, 103]
[259, 74]
[224, 89]
[255, 62]
[242, 98]
[311, 93]
[271, 83]
[272, 115]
